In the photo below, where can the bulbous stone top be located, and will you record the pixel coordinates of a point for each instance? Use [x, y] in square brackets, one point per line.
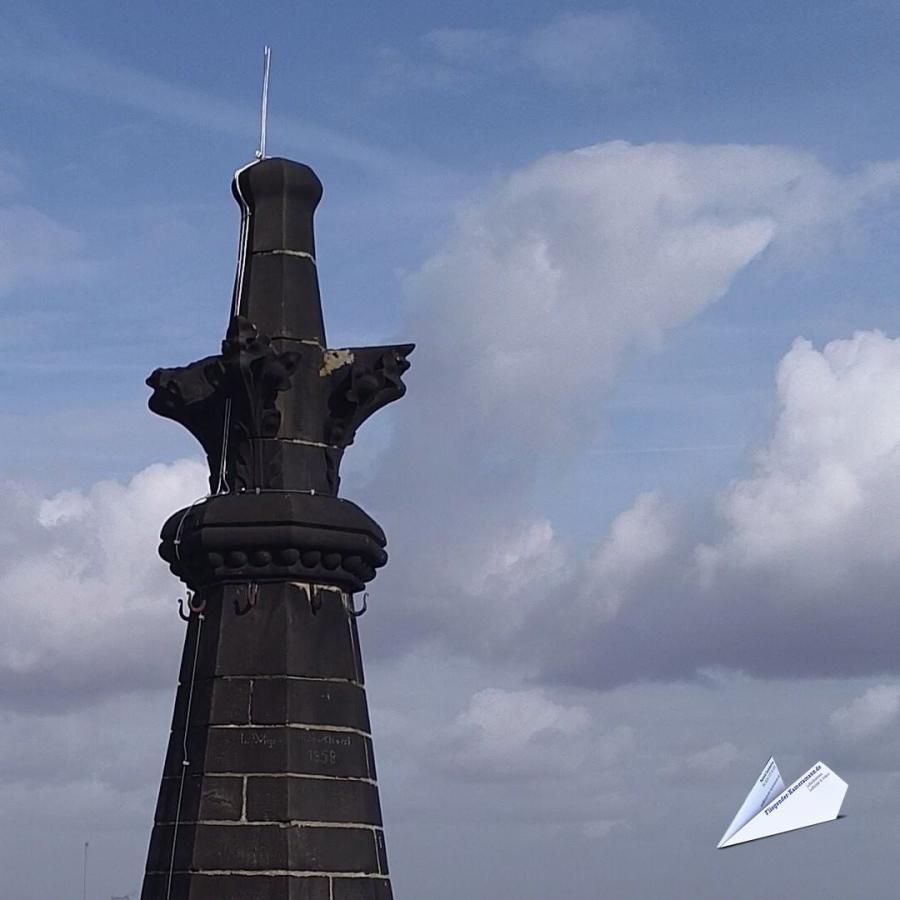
[281, 197]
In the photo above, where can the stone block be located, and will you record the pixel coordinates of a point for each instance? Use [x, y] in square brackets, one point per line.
[283, 635]
[236, 887]
[361, 889]
[332, 849]
[285, 799]
[278, 701]
[204, 798]
[215, 701]
[264, 848]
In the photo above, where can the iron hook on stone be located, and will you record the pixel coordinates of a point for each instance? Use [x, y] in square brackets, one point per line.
[196, 608]
[349, 605]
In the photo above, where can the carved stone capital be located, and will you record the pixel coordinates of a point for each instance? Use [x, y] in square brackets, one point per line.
[283, 416]
[229, 401]
[362, 381]
[254, 373]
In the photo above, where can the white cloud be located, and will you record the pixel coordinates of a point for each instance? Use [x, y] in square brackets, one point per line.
[513, 733]
[89, 607]
[515, 570]
[638, 540]
[471, 46]
[509, 561]
[35, 249]
[602, 48]
[820, 503]
[583, 256]
[522, 320]
[607, 49]
[800, 577]
[868, 715]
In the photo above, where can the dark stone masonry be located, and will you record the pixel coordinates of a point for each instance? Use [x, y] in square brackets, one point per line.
[269, 789]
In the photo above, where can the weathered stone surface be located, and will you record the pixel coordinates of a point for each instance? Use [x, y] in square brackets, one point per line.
[193, 886]
[361, 889]
[275, 631]
[309, 702]
[203, 798]
[266, 887]
[280, 278]
[284, 534]
[265, 848]
[220, 701]
[277, 799]
[281, 799]
[273, 749]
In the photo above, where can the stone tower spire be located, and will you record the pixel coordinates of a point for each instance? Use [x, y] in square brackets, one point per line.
[269, 788]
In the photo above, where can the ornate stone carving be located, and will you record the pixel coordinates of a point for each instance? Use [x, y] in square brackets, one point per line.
[241, 385]
[369, 380]
[282, 409]
[190, 395]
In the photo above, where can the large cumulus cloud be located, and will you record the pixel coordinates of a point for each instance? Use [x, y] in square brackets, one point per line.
[801, 577]
[89, 608]
[523, 318]
[560, 273]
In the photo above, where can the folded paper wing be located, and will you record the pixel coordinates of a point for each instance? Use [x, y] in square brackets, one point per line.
[815, 797]
[768, 785]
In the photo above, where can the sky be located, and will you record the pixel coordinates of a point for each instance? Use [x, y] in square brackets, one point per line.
[640, 496]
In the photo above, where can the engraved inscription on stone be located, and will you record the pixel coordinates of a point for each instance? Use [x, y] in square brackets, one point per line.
[324, 749]
[258, 739]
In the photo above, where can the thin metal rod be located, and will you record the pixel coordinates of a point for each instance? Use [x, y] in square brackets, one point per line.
[84, 878]
[264, 107]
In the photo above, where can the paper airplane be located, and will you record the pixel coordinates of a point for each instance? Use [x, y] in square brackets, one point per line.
[770, 808]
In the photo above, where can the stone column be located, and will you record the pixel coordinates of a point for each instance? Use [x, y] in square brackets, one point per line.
[269, 790]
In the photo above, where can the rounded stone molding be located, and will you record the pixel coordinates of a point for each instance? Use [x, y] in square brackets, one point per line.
[273, 536]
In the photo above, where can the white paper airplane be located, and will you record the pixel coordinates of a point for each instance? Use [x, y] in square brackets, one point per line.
[770, 808]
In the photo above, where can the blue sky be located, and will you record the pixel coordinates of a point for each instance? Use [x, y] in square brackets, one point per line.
[606, 227]
[117, 119]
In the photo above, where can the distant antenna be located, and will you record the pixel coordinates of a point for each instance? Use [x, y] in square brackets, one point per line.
[264, 110]
[84, 879]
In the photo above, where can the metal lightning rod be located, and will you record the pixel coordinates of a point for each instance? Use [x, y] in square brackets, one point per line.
[264, 110]
[84, 872]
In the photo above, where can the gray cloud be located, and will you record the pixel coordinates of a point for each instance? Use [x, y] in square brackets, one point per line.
[800, 579]
[694, 753]
[870, 714]
[505, 734]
